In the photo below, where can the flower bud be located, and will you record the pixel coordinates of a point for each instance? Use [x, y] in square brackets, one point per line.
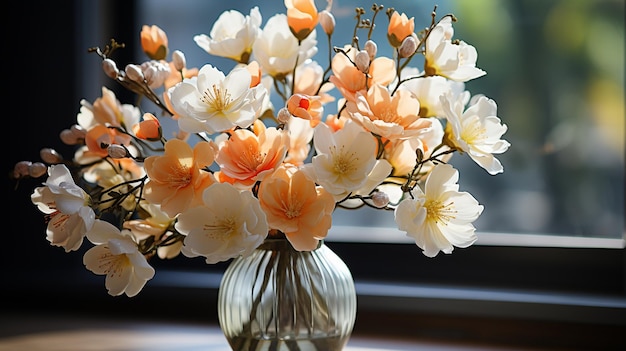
[50, 156]
[21, 169]
[154, 42]
[371, 48]
[110, 68]
[178, 58]
[327, 21]
[362, 61]
[134, 73]
[37, 170]
[380, 199]
[68, 138]
[117, 151]
[283, 115]
[408, 47]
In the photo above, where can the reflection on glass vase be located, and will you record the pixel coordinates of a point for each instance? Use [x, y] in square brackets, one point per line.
[282, 299]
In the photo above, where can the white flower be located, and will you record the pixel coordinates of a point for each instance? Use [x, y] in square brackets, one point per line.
[212, 102]
[346, 161]
[231, 223]
[67, 204]
[427, 90]
[232, 35]
[276, 49]
[455, 61]
[440, 217]
[116, 255]
[476, 131]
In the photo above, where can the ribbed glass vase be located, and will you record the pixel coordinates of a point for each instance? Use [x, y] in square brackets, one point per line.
[282, 299]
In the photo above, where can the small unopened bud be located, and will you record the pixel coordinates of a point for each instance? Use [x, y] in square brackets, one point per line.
[283, 115]
[73, 136]
[371, 48]
[362, 61]
[134, 73]
[178, 58]
[380, 199]
[50, 156]
[37, 170]
[117, 151]
[408, 47]
[67, 137]
[21, 169]
[327, 21]
[110, 68]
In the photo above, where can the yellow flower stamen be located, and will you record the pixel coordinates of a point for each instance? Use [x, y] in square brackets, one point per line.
[217, 98]
[473, 132]
[437, 211]
[343, 163]
[180, 176]
[221, 229]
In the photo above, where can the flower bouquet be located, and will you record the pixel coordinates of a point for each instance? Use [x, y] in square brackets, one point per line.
[270, 148]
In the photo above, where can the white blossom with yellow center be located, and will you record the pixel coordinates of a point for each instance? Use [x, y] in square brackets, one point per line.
[117, 256]
[440, 217]
[346, 161]
[220, 230]
[476, 130]
[213, 103]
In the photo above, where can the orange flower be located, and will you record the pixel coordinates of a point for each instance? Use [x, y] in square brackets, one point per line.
[306, 107]
[301, 17]
[100, 137]
[176, 179]
[149, 128]
[400, 27]
[154, 42]
[349, 80]
[246, 157]
[297, 207]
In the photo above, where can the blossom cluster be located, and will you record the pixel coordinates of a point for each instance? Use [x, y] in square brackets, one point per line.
[240, 168]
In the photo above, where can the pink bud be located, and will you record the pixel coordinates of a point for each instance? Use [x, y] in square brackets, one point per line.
[37, 169]
[327, 21]
[380, 199]
[50, 156]
[117, 151]
[134, 73]
[362, 61]
[110, 68]
[178, 58]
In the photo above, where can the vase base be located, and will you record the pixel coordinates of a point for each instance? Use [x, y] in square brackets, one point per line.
[315, 344]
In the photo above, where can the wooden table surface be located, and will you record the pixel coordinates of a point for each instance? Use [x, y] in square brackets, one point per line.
[31, 332]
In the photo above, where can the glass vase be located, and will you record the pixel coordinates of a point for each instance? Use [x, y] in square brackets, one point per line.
[278, 298]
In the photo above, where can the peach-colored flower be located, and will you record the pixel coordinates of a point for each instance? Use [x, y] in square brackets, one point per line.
[108, 111]
[301, 17]
[400, 27]
[100, 137]
[148, 129]
[154, 42]
[349, 80]
[255, 73]
[297, 207]
[309, 76]
[176, 179]
[306, 107]
[175, 76]
[391, 117]
[247, 157]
